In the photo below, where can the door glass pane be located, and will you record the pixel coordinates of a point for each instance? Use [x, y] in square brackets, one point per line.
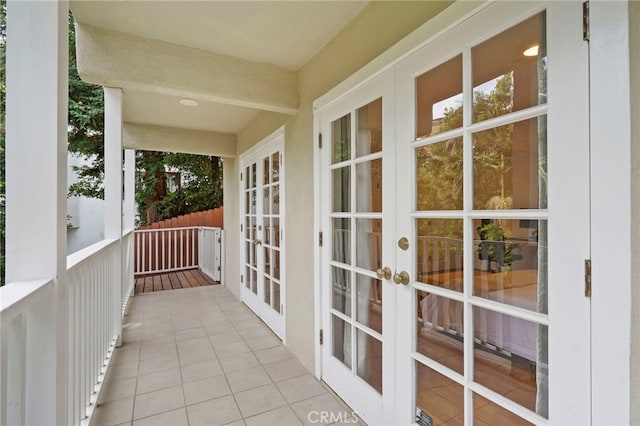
[247, 179]
[440, 400]
[370, 360]
[265, 200]
[439, 252]
[252, 202]
[254, 281]
[267, 261]
[341, 332]
[265, 170]
[267, 231]
[511, 358]
[254, 257]
[276, 232]
[275, 164]
[254, 172]
[369, 136]
[510, 166]
[439, 176]
[369, 243]
[275, 194]
[276, 296]
[341, 137]
[369, 186]
[247, 277]
[439, 99]
[440, 330]
[369, 302]
[510, 70]
[267, 291]
[342, 240]
[342, 189]
[341, 289]
[486, 412]
[276, 264]
[510, 262]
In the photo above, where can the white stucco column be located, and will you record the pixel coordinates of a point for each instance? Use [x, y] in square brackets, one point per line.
[36, 196]
[113, 190]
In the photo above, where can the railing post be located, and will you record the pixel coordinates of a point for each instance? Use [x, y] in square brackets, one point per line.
[113, 193]
[128, 219]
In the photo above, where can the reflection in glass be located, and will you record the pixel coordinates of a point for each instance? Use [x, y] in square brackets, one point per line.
[276, 231]
[267, 232]
[504, 78]
[247, 277]
[341, 299]
[440, 330]
[342, 189]
[439, 176]
[486, 412]
[276, 264]
[369, 350]
[369, 302]
[369, 186]
[368, 243]
[511, 358]
[265, 200]
[267, 291]
[369, 136]
[439, 99]
[438, 398]
[252, 202]
[342, 240]
[254, 172]
[510, 262]
[509, 166]
[265, 170]
[246, 178]
[254, 281]
[341, 137]
[276, 296]
[439, 252]
[267, 261]
[254, 260]
[275, 194]
[275, 164]
[341, 340]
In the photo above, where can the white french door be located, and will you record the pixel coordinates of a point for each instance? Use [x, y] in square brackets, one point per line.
[473, 210]
[262, 252]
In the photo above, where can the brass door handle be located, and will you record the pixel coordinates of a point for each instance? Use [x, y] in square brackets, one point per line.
[401, 278]
[257, 242]
[384, 273]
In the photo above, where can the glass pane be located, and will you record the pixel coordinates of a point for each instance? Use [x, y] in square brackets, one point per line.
[276, 232]
[265, 170]
[267, 291]
[252, 202]
[247, 202]
[276, 264]
[510, 70]
[247, 253]
[369, 302]
[267, 232]
[369, 186]
[439, 256]
[439, 176]
[369, 243]
[487, 413]
[341, 340]
[341, 299]
[253, 227]
[341, 137]
[254, 281]
[510, 262]
[275, 164]
[265, 200]
[342, 189]
[342, 240]
[275, 194]
[247, 277]
[276, 296]
[510, 166]
[370, 360]
[247, 227]
[440, 400]
[254, 257]
[246, 178]
[369, 136]
[511, 358]
[440, 330]
[439, 99]
[254, 172]
[267, 262]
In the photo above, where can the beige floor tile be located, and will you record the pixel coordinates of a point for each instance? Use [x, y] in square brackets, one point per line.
[218, 327]
[307, 409]
[268, 356]
[228, 349]
[250, 322]
[158, 340]
[170, 418]
[189, 333]
[200, 371]
[259, 400]
[280, 416]
[203, 390]
[159, 380]
[239, 362]
[300, 388]
[151, 332]
[157, 402]
[225, 338]
[113, 413]
[196, 357]
[215, 412]
[241, 316]
[192, 345]
[237, 423]
[125, 356]
[264, 342]
[183, 323]
[122, 371]
[252, 333]
[248, 379]
[149, 351]
[154, 365]
[118, 389]
[286, 369]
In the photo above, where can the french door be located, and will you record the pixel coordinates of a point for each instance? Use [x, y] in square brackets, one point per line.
[456, 213]
[262, 253]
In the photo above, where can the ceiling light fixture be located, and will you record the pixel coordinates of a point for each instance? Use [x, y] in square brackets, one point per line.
[532, 51]
[188, 102]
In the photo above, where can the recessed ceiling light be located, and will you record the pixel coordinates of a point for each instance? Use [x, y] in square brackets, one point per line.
[188, 102]
[532, 51]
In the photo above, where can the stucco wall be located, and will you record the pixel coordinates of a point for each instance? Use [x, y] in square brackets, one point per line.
[374, 30]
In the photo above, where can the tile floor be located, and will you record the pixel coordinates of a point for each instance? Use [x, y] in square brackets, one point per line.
[199, 357]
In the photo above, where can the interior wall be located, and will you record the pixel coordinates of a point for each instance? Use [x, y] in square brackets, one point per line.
[374, 30]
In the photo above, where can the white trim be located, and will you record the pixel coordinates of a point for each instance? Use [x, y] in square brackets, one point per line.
[317, 250]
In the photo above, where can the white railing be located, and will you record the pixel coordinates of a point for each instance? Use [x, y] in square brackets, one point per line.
[210, 252]
[128, 281]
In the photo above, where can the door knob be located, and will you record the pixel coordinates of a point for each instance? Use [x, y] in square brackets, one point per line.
[257, 242]
[384, 273]
[401, 278]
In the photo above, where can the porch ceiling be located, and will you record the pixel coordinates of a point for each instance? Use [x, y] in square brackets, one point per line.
[234, 57]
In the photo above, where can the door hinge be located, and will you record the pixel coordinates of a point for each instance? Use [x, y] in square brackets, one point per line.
[585, 21]
[219, 271]
[241, 177]
[241, 278]
[319, 140]
[240, 227]
[321, 338]
[320, 238]
[587, 278]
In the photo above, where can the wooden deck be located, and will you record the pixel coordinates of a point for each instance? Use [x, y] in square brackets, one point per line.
[172, 280]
